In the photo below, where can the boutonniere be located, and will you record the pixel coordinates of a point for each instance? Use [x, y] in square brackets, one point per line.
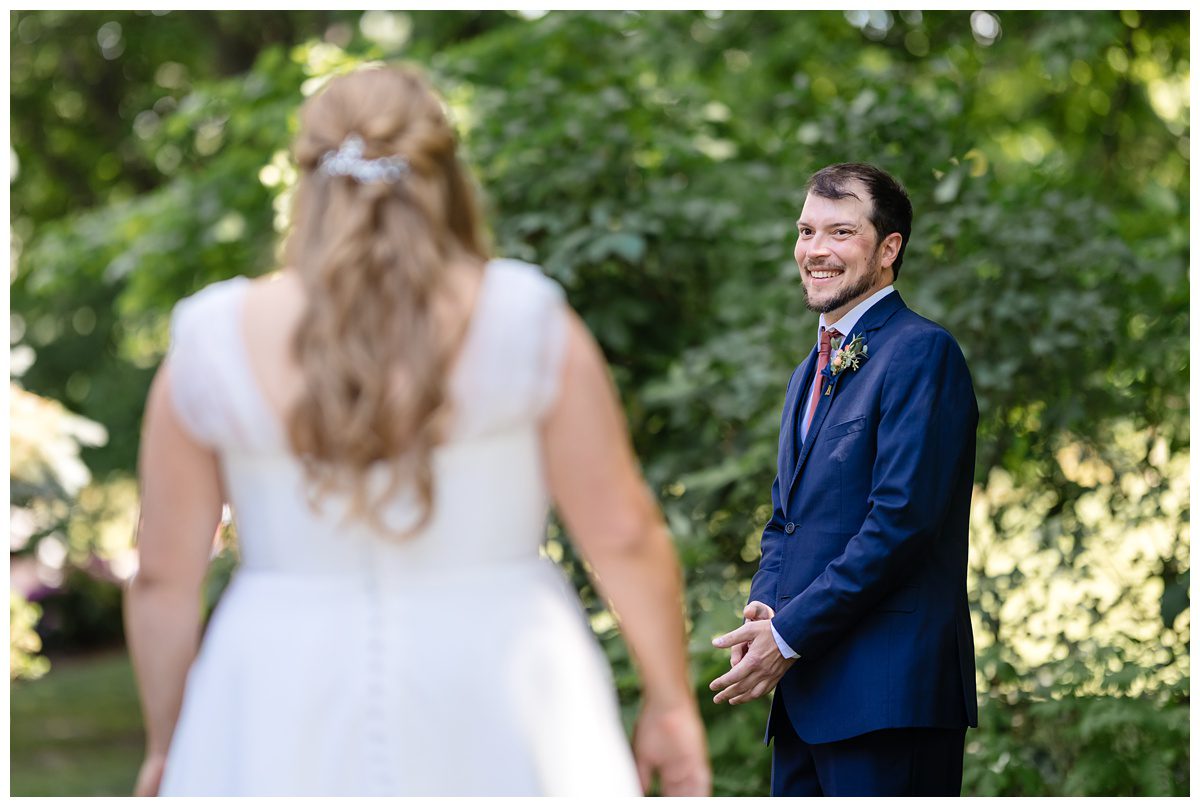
[849, 357]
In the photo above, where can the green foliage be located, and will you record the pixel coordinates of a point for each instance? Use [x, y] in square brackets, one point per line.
[653, 163]
[24, 643]
[89, 89]
[1081, 746]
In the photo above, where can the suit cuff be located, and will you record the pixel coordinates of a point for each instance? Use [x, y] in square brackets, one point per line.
[784, 648]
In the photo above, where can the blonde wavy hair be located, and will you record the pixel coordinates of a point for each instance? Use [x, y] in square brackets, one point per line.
[373, 257]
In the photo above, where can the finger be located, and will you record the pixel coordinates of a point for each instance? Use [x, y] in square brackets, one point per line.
[732, 677]
[695, 785]
[645, 772]
[735, 686]
[744, 694]
[751, 693]
[751, 684]
[687, 779]
[741, 698]
[737, 654]
[743, 634]
[731, 694]
[757, 610]
[699, 784]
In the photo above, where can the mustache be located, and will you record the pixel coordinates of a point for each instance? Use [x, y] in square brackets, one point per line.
[824, 264]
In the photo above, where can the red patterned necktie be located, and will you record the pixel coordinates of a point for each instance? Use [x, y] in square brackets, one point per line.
[827, 336]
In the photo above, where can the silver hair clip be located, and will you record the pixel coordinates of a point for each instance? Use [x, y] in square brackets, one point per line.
[348, 161]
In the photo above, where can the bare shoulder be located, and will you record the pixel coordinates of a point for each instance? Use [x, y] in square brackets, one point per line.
[581, 348]
[278, 291]
[272, 308]
[270, 313]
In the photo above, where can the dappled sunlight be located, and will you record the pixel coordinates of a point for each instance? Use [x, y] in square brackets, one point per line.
[101, 532]
[1057, 594]
[44, 444]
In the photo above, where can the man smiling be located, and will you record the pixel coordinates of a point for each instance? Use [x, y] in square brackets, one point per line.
[858, 613]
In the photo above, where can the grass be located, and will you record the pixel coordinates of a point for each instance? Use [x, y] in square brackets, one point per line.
[78, 730]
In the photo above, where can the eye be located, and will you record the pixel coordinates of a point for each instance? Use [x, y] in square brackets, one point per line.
[843, 231]
[806, 231]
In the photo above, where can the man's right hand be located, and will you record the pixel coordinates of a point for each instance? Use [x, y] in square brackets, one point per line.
[752, 613]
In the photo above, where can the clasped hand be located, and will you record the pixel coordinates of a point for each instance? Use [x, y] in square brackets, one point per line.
[757, 665]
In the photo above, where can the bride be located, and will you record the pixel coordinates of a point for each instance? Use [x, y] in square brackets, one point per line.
[389, 418]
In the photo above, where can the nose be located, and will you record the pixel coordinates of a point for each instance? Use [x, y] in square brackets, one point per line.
[818, 247]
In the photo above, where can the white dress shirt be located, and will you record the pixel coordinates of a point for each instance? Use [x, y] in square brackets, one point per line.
[844, 326]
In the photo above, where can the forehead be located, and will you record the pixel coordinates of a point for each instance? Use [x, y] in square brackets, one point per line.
[818, 209]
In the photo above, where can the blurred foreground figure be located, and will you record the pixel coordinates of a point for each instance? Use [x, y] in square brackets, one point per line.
[389, 417]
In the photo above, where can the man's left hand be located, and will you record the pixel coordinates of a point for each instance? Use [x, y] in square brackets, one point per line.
[759, 670]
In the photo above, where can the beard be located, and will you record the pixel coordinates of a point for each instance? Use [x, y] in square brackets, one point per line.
[847, 294]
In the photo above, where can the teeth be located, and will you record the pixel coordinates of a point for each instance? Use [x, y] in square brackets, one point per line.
[824, 275]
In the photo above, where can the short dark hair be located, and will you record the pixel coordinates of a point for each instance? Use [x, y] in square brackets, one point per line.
[891, 210]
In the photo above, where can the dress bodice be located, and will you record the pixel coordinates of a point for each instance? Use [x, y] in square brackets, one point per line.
[490, 496]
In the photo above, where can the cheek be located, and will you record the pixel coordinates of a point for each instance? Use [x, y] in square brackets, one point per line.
[848, 261]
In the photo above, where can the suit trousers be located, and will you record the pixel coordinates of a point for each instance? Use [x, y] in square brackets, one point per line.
[888, 762]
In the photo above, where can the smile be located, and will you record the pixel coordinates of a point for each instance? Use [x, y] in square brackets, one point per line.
[823, 274]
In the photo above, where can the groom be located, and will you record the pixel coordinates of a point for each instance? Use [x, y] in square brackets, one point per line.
[858, 614]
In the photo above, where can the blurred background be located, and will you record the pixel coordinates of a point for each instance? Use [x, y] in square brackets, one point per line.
[652, 163]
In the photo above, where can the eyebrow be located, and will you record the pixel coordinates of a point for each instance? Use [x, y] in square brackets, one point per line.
[851, 224]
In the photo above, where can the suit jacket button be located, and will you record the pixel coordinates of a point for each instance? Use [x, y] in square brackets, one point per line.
[789, 528]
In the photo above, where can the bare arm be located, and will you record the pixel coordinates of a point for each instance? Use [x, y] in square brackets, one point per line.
[180, 513]
[617, 526]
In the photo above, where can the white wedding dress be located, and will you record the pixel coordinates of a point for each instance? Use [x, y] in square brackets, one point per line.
[344, 661]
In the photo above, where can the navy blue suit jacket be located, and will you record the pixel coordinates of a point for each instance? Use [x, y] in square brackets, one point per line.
[865, 557]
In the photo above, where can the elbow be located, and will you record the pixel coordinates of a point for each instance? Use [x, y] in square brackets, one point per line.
[630, 529]
[142, 586]
[147, 582]
[148, 600]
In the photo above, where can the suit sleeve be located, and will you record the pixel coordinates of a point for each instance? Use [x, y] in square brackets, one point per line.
[766, 579]
[925, 441]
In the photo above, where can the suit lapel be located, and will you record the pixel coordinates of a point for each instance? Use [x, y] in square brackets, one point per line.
[874, 319]
[798, 399]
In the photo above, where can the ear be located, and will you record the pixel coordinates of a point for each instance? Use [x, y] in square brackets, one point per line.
[889, 249]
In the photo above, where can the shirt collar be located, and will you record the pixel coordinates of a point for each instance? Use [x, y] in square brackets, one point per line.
[845, 325]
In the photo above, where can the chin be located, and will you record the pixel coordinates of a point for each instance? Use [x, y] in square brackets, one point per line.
[821, 305]
[818, 306]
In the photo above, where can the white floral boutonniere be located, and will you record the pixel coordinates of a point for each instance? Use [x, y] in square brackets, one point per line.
[849, 357]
